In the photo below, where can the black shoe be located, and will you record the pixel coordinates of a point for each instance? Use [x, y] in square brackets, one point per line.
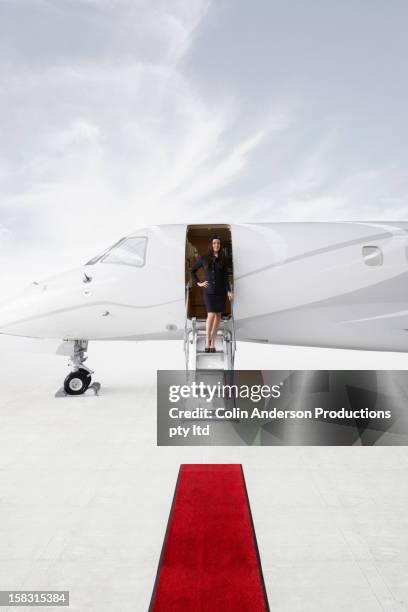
[207, 349]
[212, 349]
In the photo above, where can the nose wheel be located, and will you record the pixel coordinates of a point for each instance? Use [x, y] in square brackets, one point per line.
[79, 379]
[77, 382]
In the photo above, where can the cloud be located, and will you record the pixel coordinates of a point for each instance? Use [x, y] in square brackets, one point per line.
[116, 132]
[97, 147]
[313, 188]
[98, 137]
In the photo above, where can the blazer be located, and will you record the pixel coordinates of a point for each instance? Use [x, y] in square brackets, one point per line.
[217, 275]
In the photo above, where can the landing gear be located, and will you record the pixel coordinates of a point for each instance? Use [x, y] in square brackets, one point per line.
[78, 381]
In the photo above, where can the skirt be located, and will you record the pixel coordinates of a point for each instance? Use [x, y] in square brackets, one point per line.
[214, 302]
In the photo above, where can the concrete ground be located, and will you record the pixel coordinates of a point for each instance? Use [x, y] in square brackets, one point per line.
[85, 492]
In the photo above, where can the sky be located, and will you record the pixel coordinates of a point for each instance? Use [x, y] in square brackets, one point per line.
[117, 114]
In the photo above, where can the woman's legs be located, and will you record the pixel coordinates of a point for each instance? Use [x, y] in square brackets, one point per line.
[208, 328]
[215, 326]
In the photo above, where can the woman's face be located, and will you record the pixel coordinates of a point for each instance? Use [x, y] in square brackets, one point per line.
[216, 245]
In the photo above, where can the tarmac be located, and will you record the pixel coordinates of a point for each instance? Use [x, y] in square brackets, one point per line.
[85, 492]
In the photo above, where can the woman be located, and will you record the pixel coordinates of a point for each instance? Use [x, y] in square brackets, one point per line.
[216, 288]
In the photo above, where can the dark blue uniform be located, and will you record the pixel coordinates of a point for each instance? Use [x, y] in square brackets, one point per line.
[216, 273]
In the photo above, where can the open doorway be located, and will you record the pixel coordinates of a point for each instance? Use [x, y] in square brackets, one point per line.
[197, 237]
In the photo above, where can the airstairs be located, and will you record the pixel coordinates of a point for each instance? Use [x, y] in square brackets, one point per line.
[194, 343]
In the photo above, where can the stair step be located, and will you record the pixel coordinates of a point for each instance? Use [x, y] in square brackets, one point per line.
[204, 320]
[208, 364]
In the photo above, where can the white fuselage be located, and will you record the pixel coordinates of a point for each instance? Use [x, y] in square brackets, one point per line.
[315, 284]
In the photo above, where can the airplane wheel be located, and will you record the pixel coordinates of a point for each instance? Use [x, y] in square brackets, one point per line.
[77, 382]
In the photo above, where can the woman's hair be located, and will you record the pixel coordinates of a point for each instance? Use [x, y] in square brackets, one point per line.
[210, 253]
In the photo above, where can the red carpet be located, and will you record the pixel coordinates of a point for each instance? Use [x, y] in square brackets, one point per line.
[209, 560]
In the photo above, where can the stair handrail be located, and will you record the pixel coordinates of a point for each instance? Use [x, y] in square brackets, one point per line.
[186, 333]
[233, 320]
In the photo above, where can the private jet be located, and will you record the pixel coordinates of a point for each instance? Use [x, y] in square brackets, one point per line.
[337, 285]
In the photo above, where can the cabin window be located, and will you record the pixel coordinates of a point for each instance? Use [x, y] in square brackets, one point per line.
[128, 251]
[372, 256]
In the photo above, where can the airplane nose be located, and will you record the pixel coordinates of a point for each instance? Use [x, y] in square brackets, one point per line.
[39, 311]
[20, 308]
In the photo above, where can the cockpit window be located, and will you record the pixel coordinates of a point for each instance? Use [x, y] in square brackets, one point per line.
[128, 251]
